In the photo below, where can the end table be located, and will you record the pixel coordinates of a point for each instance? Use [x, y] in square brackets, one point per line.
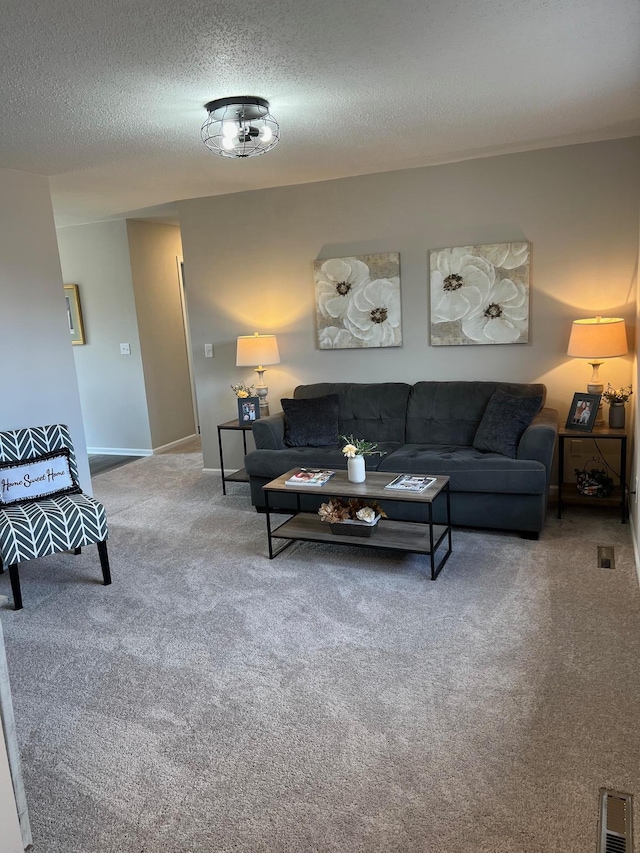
[241, 475]
[599, 433]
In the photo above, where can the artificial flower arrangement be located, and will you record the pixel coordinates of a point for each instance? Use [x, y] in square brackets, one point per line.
[620, 395]
[359, 447]
[337, 510]
[242, 390]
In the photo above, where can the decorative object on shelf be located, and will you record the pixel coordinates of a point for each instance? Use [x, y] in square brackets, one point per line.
[248, 405]
[74, 314]
[480, 294]
[248, 409]
[583, 411]
[616, 400]
[595, 482]
[241, 126]
[353, 518]
[595, 339]
[355, 450]
[261, 350]
[358, 301]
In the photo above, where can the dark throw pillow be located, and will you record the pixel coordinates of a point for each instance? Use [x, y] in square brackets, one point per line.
[311, 422]
[505, 419]
[45, 476]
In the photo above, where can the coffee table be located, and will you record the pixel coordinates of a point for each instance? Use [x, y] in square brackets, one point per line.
[410, 536]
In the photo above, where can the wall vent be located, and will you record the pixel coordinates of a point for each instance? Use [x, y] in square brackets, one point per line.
[615, 829]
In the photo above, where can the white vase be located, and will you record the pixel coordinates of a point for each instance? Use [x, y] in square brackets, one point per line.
[355, 469]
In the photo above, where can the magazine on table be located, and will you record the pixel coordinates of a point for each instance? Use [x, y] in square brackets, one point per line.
[310, 477]
[411, 483]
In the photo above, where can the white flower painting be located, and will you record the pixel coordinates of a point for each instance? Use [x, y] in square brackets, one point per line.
[358, 301]
[480, 294]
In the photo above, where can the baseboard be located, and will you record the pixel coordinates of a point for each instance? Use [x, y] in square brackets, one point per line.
[119, 451]
[217, 471]
[171, 444]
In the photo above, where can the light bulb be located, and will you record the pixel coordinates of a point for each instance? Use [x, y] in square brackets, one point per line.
[228, 144]
[229, 129]
[267, 135]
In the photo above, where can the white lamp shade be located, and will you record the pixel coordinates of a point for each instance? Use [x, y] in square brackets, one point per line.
[598, 337]
[257, 349]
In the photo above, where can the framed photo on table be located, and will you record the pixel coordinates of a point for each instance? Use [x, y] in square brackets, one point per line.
[583, 411]
[248, 409]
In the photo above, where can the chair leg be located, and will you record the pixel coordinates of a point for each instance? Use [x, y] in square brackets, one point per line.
[15, 586]
[104, 562]
[77, 551]
[1, 568]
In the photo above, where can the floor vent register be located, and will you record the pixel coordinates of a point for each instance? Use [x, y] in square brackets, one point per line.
[615, 829]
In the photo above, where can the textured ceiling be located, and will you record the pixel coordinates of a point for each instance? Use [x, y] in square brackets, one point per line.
[107, 98]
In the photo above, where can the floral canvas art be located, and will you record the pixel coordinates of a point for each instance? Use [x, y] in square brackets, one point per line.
[480, 294]
[358, 301]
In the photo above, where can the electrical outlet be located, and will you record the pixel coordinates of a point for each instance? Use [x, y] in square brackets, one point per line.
[125, 349]
[576, 447]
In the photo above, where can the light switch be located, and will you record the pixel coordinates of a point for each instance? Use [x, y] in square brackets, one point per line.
[576, 447]
[208, 350]
[125, 349]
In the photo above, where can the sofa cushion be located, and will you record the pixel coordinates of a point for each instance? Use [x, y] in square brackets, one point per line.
[375, 411]
[505, 419]
[311, 423]
[470, 470]
[273, 463]
[450, 412]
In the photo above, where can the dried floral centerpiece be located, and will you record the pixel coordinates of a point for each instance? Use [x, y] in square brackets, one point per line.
[353, 517]
[618, 396]
[241, 390]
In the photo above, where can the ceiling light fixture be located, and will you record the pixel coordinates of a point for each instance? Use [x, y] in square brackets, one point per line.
[240, 127]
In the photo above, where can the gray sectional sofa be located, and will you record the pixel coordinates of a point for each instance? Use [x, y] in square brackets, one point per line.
[426, 428]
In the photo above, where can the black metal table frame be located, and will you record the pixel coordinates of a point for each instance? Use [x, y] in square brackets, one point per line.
[622, 438]
[433, 543]
[233, 478]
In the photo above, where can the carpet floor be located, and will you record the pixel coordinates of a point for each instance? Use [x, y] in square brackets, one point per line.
[333, 699]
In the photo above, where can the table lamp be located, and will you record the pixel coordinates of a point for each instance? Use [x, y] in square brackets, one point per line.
[261, 350]
[595, 339]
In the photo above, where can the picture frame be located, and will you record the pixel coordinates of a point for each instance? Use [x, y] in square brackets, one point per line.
[248, 410]
[583, 411]
[74, 314]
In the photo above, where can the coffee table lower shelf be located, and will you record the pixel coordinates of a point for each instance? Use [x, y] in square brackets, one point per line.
[409, 536]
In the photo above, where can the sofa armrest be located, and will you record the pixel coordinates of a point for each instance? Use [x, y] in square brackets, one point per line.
[268, 433]
[539, 439]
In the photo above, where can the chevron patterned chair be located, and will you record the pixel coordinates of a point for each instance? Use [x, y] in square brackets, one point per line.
[62, 519]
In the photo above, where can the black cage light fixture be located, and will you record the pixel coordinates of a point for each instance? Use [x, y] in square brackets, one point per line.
[240, 127]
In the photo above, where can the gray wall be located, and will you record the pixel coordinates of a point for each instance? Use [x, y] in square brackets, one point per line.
[39, 383]
[153, 250]
[114, 405]
[248, 261]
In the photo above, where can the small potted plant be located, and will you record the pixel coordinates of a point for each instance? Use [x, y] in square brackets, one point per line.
[355, 450]
[616, 398]
[248, 405]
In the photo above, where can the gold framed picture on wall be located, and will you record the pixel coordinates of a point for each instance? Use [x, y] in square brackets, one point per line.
[74, 314]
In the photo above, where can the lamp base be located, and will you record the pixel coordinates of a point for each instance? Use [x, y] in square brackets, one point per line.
[262, 390]
[596, 387]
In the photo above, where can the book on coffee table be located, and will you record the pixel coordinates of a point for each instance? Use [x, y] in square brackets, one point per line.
[310, 477]
[411, 483]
